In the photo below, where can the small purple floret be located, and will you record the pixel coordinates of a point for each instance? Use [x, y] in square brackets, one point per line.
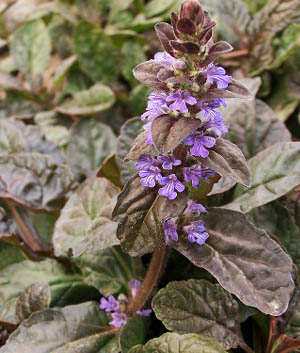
[218, 75]
[148, 127]
[194, 175]
[118, 320]
[109, 305]
[165, 58]
[134, 287]
[145, 162]
[168, 162]
[156, 106]
[146, 312]
[200, 144]
[171, 184]
[180, 100]
[192, 206]
[149, 175]
[170, 230]
[196, 232]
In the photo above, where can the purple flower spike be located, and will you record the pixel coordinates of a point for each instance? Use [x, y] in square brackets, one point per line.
[134, 287]
[145, 162]
[181, 99]
[165, 58]
[200, 142]
[192, 206]
[148, 127]
[109, 305]
[196, 232]
[118, 320]
[146, 312]
[170, 230]
[194, 175]
[218, 75]
[149, 175]
[168, 162]
[171, 182]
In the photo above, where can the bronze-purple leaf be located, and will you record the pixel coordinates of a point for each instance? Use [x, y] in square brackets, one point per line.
[140, 146]
[217, 50]
[186, 47]
[165, 33]
[168, 132]
[228, 160]
[147, 74]
[141, 213]
[235, 89]
[244, 260]
[186, 26]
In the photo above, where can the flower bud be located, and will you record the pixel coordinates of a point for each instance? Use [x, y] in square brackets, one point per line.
[192, 10]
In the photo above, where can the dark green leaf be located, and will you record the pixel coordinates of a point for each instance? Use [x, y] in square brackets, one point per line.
[91, 101]
[72, 329]
[37, 182]
[85, 222]
[133, 333]
[274, 172]
[96, 54]
[276, 219]
[228, 160]
[198, 306]
[30, 48]
[157, 7]
[168, 132]
[90, 143]
[34, 298]
[110, 170]
[141, 212]
[110, 270]
[63, 68]
[244, 260]
[174, 343]
[129, 131]
[132, 54]
[138, 99]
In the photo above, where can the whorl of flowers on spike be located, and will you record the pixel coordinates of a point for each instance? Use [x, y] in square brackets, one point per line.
[188, 85]
[117, 308]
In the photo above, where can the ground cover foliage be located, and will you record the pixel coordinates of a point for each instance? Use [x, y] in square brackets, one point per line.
[102, 252]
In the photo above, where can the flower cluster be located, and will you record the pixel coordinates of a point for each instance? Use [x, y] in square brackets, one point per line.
[117, 308]
[188, 87]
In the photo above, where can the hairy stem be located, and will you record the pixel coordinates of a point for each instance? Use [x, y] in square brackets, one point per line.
[30, 240]
[152, 276]
[235, 54]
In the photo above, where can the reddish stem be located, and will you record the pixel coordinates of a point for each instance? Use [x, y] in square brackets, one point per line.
[235, 54]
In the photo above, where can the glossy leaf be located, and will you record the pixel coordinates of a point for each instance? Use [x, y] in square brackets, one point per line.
[91, 101]
[228, 160]
[110, 270]
[97, 55]
[34, 298]
[244, 260]
[141, 212]
[168, 132]
[274, 172]
[31, 48]
[85, 221]
[37, 182]
[90, 143]
[62, 331]
[276, 219]
[198, 306]
[174, 343]
[133, 333]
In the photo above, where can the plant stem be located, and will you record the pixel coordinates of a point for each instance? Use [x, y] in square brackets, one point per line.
[152, 276]
[245, 347]
[235, 54]
[272, 333]
[30, 240]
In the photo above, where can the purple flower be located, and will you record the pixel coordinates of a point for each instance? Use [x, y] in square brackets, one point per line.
[168, 162]
[199, 142]
[145, 312]
[196, 232]
[134, 287]
[218, 75]
[118, 320]
[109, 305]
[148, 127]
[180, 99]
[208, 107]
[145, 162]
[193, 206]
[156, 106]
[149, 175]
[170, 230]
[171, 183]
[216, 126]
[194, 175]
[206, 172]
[165, 58]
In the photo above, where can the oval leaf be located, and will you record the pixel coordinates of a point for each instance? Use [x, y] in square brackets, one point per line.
[244, 260]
